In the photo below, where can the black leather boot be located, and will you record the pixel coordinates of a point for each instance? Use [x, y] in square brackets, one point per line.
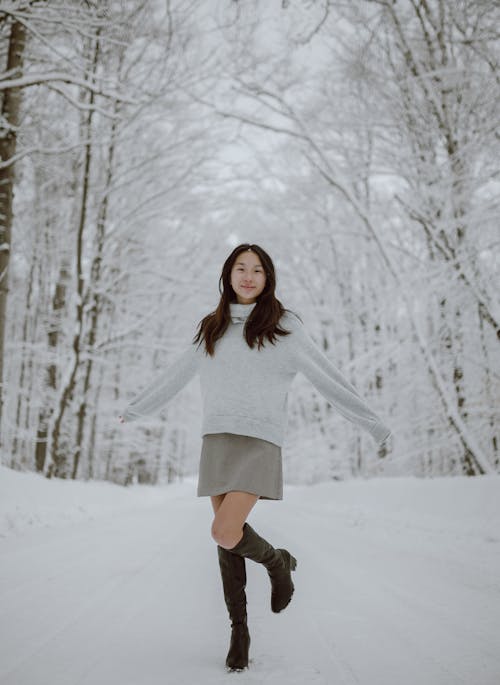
[278, 562]
[234, 579]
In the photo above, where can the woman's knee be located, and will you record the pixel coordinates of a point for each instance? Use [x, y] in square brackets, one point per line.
[225, 534]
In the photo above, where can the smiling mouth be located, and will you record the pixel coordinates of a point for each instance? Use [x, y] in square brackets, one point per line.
[248, 287]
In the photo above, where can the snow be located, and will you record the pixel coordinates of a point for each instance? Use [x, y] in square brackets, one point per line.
[398, 581]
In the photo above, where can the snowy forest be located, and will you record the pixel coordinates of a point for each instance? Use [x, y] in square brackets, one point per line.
[357, 142]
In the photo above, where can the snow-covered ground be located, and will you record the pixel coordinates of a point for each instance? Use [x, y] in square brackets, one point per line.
[398, 582]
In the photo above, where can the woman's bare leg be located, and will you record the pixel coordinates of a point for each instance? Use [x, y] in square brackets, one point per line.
[230, 514]
[217, 501]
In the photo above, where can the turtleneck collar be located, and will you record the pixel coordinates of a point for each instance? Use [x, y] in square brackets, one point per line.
[240, 312]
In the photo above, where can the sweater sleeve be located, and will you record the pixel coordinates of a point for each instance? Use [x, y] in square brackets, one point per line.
[334, 387]
[167, 384]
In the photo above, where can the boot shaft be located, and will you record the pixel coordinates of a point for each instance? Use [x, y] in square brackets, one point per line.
[254, 547]
[234, 579]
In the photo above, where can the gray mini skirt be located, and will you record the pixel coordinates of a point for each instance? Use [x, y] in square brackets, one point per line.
[240, 462]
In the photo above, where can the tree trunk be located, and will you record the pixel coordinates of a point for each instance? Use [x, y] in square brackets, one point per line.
[58, 466]
[492, 401]
[46, 410]
[21, 389]
[94, 288]
[8, 142]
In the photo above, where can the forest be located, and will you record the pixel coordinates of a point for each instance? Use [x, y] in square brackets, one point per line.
[357, 142]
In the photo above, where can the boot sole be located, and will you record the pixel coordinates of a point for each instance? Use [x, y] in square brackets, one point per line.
[237, 670]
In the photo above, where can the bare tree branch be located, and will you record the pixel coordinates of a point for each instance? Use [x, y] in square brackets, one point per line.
[29, 80]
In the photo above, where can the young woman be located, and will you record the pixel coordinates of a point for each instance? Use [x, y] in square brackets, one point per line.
[247, 353]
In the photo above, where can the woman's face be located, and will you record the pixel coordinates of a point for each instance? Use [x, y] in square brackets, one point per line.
[248, 278]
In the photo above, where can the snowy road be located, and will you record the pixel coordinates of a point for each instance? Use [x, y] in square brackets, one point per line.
[398, 582]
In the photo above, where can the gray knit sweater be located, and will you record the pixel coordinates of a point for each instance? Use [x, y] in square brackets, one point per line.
[245, 391]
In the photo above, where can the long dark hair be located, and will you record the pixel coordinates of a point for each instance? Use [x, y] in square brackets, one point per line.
[263, 321]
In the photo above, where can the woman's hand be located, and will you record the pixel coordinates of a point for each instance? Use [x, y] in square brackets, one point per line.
[121, 419]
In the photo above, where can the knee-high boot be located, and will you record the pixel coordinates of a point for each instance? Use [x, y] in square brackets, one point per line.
[278, 562]
[234, 578]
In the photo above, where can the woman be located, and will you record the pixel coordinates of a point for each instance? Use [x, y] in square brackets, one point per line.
[247, 353]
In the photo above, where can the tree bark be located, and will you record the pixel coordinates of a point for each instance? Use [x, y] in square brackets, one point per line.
[22, 391]
[59, 466]
[8, 142]
[46, 410]
[94, 288]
